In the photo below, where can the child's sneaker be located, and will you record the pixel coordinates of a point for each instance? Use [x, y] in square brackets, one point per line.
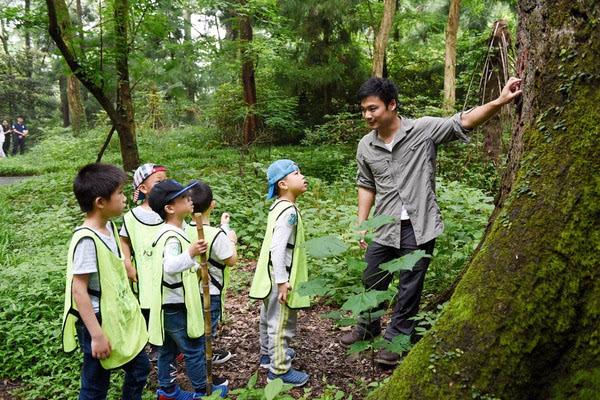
[292, 377]
[221, 356]
[265, 360]
[179, 394]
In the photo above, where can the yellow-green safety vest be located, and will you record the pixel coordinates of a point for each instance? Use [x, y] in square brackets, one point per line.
[210, 235]
[121, 318]
[141, 235]
[261, 283]
[191, 292]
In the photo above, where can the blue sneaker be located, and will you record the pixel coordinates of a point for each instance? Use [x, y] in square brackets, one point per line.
[265, 360]
[179, 394]
[292, 377]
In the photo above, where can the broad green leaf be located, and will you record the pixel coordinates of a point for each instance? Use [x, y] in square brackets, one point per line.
[314, 287]
[375, 222]
[273, 388]
[404, 263]
[325, 246]
[361, 302]
[355, 264]
[252, 381]
[358, 347]
[399, 344]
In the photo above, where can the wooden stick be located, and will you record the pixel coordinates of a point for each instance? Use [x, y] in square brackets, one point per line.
[203, 272]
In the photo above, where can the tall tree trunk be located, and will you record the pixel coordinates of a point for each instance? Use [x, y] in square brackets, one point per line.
[190, 80]
[248, 82]
[524, 322]
[495, 75]
[28, 54]
[59, 27]
[450, 59]
[389, 9]
[76, 110]
[126, 123]
[64, 101]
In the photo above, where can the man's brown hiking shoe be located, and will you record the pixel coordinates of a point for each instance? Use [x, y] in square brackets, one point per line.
[355, 335]
[387, 357]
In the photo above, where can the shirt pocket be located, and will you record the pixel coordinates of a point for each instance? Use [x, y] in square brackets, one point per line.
[380, 168]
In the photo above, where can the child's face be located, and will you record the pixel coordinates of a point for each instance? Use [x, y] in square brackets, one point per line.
[113, 206]
[152, 180]
[295, 183]
[181, 206]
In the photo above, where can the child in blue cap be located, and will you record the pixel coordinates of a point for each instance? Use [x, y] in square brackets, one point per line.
[280, 269]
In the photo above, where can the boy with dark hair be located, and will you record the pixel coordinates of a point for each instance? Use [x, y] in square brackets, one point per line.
[176, 322]
[221, 254]
[396, 169]
[280, 269]
[140, 227]
[100, 309]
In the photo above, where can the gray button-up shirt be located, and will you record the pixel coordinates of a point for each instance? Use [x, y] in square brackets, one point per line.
[406, 175]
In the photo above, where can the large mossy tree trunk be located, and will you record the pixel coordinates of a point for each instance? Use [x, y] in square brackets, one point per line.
[524, 322]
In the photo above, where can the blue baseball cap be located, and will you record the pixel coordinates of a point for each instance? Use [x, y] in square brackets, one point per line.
[276, 172]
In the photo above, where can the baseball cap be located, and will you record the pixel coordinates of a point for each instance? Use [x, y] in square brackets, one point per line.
[164, 192]
[276, 172]
[140, 175]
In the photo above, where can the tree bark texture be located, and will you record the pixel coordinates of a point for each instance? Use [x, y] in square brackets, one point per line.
[64, 101]
[524, 322]
[389, 9]
[126, 123]
[76, 109]
[121, 116]
[248, 81]
[450, 58]
[495, 75]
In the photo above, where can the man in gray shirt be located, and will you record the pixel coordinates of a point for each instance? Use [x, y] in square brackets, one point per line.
[396, 172]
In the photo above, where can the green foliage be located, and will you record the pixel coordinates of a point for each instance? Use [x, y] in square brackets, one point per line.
[342, 128]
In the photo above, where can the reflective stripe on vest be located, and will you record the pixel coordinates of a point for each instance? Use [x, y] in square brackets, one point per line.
[122, 320]
[141, 236]
[191, 293]
[262, 283]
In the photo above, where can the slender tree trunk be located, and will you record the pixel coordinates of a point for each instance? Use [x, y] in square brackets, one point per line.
[389, 9]
[524, 322]
[76, 110]
[190, 81]
[64, 101]
[126, 123]
[248, 82]
[59, 27]
[28, 54]
[450, 59]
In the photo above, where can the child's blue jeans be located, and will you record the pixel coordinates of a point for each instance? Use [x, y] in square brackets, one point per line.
[95, 380]
[177, 340]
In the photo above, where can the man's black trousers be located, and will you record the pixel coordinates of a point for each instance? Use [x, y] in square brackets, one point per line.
[410, 286]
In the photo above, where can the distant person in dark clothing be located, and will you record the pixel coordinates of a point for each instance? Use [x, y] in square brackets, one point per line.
[20, 132]
[6, 128]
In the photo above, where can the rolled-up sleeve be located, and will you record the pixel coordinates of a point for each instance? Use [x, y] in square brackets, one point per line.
[442, 130]
[364, 176]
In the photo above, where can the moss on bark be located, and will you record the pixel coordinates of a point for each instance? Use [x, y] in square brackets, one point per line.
[524, 320]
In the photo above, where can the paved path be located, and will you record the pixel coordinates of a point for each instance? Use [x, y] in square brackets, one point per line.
[7, 180]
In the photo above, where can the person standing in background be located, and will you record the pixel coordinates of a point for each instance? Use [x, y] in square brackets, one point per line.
[6, 128]
[20, 132]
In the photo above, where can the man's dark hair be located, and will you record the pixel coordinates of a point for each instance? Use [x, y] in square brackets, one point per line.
[96, 180]
[202, 196]
[383, 88]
